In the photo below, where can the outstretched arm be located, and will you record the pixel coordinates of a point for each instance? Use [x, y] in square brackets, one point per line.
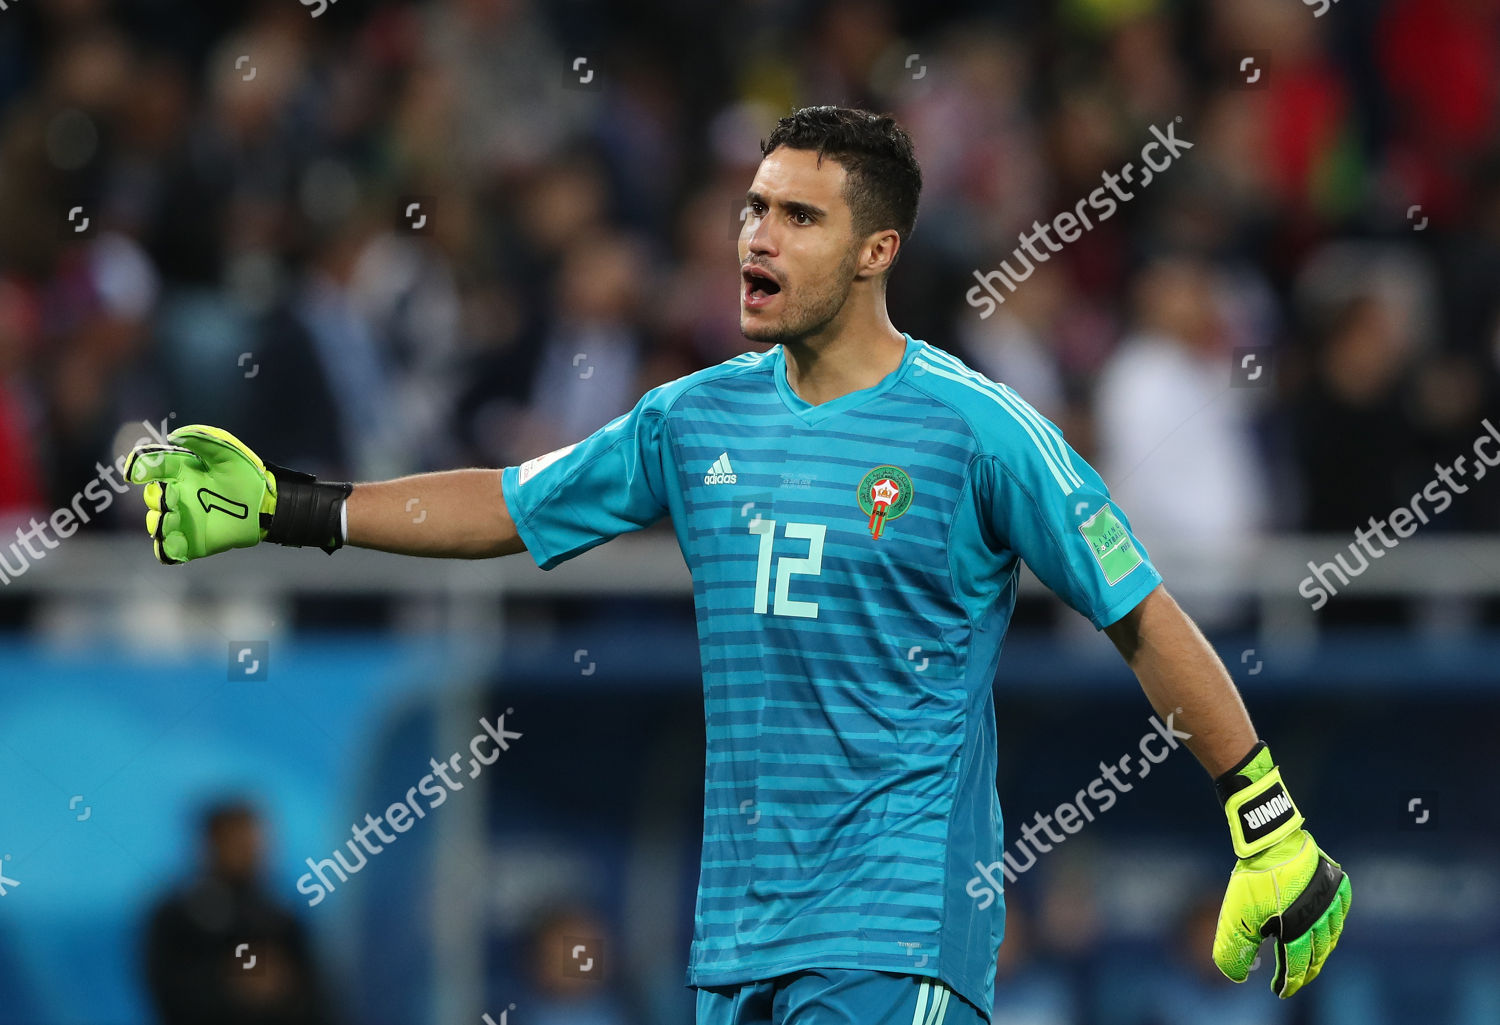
[454, 514]
[1183, 676]
[206, 492]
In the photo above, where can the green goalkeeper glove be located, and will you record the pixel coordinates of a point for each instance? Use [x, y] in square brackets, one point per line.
[207, 492]
[1283, 887]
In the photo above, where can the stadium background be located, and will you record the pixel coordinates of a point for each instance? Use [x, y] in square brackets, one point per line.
[252, 258]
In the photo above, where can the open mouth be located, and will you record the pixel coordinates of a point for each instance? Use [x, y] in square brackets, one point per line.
[759, 286]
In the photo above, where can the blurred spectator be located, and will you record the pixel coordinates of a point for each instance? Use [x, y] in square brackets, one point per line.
[570, 981]
[505, 77]
[407, 296]
[1312, 158]
[1355, 453]
[699, 314]
[585, 365]
[1015, 345]
[1175, 440]
[591, 357]
[1440, 124]
[351, 363]
[20, 446]
[222, 949]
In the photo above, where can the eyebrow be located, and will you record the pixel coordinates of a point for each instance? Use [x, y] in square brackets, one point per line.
[795, 206]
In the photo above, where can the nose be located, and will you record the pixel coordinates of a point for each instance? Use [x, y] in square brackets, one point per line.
[758, 236]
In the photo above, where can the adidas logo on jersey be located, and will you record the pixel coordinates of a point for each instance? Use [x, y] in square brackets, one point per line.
[721, 472]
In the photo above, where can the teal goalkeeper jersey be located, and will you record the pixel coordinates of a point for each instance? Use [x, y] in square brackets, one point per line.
[854, 572]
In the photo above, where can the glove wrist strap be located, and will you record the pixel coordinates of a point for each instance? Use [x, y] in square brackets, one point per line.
[1260, 811]
[309, 512]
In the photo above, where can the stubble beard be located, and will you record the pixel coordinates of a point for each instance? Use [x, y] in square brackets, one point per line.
[809, 316]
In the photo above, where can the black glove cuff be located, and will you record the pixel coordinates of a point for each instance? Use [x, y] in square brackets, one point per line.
[1231, 782]
[308, 511]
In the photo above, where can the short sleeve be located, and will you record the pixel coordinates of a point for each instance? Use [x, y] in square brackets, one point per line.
[613, 482]
[1042, 502]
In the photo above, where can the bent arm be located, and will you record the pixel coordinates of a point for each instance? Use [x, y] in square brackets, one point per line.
[1178, 669]
[455, 514]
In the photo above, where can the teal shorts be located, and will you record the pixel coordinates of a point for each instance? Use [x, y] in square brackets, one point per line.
[837, 996]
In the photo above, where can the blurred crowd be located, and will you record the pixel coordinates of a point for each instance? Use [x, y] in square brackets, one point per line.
[402, 236]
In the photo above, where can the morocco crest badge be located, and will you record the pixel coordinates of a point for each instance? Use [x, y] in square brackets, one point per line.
[884, 493]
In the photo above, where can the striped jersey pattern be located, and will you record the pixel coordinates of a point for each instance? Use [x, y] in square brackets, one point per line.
[852, 586]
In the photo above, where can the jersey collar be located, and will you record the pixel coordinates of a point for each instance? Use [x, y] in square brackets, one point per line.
[814, 414]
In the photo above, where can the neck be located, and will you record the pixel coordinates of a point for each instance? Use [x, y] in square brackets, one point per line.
[823, 367]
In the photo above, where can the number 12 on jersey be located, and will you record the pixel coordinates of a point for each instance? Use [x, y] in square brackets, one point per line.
[787, 566]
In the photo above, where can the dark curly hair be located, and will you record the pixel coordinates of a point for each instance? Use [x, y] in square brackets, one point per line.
[883, 180]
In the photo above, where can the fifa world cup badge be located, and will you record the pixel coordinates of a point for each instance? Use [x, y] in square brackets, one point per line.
[884, 493]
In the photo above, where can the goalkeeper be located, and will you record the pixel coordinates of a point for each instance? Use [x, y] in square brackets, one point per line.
[845, 500]
[208, 493]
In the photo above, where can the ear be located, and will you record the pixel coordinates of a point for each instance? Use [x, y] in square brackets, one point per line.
[878, 253]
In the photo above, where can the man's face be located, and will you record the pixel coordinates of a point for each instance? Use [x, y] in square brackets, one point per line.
[235, 848]
[797, 248]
